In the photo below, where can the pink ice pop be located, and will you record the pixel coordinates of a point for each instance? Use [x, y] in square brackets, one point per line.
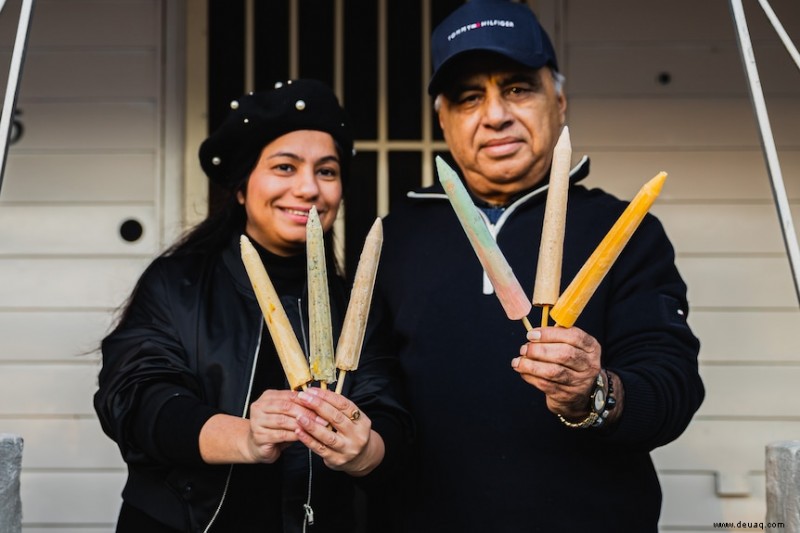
[513, 299]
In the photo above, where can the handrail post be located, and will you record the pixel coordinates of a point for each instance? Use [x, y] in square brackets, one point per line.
[12, 87]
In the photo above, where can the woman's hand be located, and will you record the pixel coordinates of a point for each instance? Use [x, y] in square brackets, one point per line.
[273, 422]
[338, 432]
[226, 439]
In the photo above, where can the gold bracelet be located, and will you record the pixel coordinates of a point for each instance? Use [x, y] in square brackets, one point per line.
[585, 423]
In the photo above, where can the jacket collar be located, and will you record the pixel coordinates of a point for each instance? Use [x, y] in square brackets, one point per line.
[436, 191]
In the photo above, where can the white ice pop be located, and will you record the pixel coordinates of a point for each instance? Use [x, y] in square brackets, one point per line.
[289, 351]
[348, 350]
[551, 248]
[319, 305]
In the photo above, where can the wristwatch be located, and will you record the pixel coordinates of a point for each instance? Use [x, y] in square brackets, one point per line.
[601, 401]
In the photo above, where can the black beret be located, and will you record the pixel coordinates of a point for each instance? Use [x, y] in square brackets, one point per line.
[256, 119]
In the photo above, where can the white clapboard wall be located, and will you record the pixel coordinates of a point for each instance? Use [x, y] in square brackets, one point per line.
[661, 86]
[91, 157]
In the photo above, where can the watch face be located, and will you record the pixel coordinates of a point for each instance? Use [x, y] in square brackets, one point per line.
[599, 400]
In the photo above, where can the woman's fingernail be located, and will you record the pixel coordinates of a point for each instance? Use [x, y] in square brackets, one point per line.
[534, 335]
[523, 349]
[515, 362]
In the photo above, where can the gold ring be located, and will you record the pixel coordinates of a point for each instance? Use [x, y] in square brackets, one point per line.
[355, 415]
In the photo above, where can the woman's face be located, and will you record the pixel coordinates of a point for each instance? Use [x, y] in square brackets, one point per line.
[294, 172]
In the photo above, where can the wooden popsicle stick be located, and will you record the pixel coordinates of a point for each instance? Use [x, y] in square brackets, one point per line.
[527, 323]
[340, 381]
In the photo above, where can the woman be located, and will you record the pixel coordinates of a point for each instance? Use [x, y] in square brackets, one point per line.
[191, 388]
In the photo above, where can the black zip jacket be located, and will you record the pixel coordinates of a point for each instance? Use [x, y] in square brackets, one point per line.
[489, 455]
[188, 348]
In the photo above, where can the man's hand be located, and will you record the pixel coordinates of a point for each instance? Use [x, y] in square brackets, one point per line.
[563, 363]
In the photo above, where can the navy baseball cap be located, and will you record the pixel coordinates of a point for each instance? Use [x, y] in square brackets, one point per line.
[498, 26]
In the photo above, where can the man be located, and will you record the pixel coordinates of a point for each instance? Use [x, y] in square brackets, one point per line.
[509, 438]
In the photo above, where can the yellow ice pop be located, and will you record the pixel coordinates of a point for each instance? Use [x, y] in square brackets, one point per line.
[289, 351]
[513, 299]
[586, 281]
[319, 305]
[348, 350]
[551, 247]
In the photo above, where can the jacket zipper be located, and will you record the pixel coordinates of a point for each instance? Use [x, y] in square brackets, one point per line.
[494, 229]
[308, 517]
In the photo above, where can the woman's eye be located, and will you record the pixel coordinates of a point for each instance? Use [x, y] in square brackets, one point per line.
[330, 173]
[284, 168]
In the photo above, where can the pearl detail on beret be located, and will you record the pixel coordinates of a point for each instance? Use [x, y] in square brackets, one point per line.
[293, 105]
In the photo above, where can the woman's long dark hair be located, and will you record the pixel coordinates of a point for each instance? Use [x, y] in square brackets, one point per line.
[214, 233]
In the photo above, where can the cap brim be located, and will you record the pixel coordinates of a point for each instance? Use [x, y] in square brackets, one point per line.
[444, 72]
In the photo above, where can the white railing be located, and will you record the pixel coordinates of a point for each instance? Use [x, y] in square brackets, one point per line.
[765, 130]
[15, 68]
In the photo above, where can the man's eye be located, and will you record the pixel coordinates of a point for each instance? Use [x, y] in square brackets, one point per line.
[469, 98]
[519, 90]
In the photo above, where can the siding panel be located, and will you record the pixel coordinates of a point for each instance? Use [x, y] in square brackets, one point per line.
[685, 123]
[87, 74]
[60, 389]
[696, 69]
[690, 503]
[708, 176]
[80, 177]
[107, 23]
[676, 22]
[78, 340]
[720, 229]
[721, 445]
[75, 230]
[81, 444]
[55, 283]
[51, 498]
[127, 127]
[750, 392]
[739, 282]
[726, 335]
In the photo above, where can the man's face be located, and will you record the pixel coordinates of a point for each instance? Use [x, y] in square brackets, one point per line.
[501, 122]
